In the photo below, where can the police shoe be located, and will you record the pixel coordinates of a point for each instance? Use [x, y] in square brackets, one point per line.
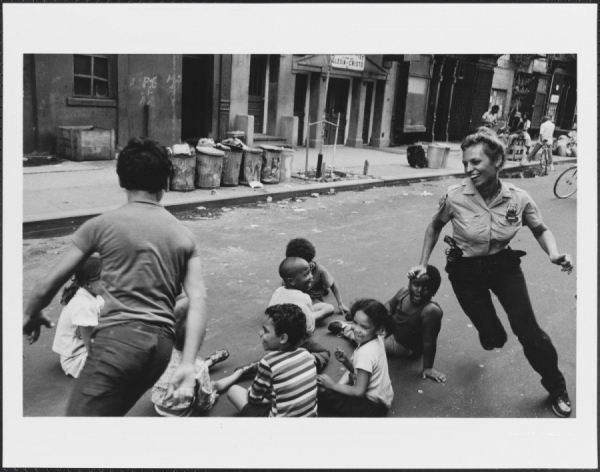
[337, 327]
[561, 405]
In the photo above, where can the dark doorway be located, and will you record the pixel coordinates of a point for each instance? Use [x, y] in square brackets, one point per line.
[300, 104]
[256, 90]
[367, 115]
[197, 96]
[337, 103]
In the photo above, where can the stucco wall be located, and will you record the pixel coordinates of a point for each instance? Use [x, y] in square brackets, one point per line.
[240, 77]
[53, 86]
[153, 80]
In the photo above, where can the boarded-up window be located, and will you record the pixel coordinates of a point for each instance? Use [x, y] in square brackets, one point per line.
[417, 92]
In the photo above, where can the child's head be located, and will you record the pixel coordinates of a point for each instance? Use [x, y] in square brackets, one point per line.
[180, 312]
[284, 327]
[300, 247]
[296, 273]
[87, 276]
[421, 290]
[370, 318]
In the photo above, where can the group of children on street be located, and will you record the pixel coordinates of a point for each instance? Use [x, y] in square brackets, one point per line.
[288, 380]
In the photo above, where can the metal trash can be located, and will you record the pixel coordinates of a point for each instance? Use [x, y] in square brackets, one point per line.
[209, 164]
[237, 135]
[183, 161]
[287, 158]
[232, 159]
[271, 164]
[437, 156]
[251, 166]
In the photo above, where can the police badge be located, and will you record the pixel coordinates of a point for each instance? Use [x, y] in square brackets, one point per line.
[511, 213]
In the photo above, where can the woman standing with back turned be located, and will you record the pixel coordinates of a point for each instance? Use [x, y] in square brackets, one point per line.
[486, 214]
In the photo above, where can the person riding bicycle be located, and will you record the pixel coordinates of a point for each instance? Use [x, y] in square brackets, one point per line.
[546, 138]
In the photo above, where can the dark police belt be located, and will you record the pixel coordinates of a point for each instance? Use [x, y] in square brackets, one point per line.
[485, 264]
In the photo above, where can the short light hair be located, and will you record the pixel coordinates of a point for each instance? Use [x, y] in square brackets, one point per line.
[492, 146]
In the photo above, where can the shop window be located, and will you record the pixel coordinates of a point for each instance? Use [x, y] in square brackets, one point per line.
[417, 93]
[91, 76]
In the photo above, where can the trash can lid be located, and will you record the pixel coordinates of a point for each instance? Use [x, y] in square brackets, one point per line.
[222, 147]
[253, 150]
[268, 147]
[210, 151]
[182, 149]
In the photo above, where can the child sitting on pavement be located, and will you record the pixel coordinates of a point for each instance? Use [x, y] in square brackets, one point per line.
[365, 389]
[297, 279]
[206, 391]
[286, 381]
[79, 317]
[322, 279]
[417, 319]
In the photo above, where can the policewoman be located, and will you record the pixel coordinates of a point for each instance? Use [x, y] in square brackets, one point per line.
[486, 214]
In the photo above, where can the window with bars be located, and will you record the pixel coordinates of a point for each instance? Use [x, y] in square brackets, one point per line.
[91, 76]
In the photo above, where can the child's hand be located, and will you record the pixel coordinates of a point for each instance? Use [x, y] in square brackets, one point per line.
[324, 381]
[182, 383]
[433, 374]
[341, 356]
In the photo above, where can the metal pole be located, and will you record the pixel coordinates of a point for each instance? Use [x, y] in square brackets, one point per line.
[306, 162]
[320, 156]
[337, 128]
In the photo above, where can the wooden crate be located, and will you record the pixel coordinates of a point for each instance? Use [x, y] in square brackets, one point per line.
[86, 143]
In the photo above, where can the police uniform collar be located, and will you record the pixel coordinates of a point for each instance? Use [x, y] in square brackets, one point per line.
[505, 188]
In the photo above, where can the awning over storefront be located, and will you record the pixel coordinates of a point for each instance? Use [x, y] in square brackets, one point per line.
[318, 63]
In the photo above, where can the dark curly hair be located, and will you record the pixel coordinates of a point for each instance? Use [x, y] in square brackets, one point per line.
[89, 270]
[435, 278]
[376, 311]
[144, 165]
[300, 247]
[492, 146]
[289, 319]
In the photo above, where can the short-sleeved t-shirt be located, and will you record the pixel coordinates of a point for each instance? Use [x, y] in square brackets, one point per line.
[82, 310]
[296, 297]
[480, 230]
[371, 358]
[145, 251]
[288, 380]
[321, 280]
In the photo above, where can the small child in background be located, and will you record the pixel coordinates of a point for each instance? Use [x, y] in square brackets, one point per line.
[297, 279]
[322, 279]
[286, 382]
[365, 389]
[206, 391]
[78, 318]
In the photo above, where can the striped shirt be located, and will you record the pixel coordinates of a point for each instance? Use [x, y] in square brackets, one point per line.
[288, 379]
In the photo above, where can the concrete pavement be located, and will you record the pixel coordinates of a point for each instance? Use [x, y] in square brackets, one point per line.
[58, 198]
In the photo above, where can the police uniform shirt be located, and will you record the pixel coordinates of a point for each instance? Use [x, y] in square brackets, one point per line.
[482, 230]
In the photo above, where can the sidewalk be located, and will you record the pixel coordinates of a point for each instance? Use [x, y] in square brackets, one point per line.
[76, 191]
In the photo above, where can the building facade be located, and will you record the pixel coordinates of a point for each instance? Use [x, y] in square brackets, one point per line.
[352, 100]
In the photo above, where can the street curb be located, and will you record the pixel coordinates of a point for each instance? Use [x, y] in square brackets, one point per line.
[52, 227]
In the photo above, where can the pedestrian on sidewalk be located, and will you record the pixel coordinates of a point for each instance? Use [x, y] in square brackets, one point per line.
[486, 215]
[147, 256]
[546, 138]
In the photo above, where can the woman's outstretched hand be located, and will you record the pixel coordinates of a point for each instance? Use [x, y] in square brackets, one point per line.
[563, 260]
[417, 271]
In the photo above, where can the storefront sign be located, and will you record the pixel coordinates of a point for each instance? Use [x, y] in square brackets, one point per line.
[554, 98]
[348, 61]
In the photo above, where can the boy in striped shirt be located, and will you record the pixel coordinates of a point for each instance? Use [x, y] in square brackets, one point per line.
[286, 381]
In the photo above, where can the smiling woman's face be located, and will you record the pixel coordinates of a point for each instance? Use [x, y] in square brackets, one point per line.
[479, 167]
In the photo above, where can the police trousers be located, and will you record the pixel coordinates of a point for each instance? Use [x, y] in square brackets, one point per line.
[472, 281]
[124, 361]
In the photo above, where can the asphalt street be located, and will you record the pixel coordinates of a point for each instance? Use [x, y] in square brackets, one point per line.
[368, 240]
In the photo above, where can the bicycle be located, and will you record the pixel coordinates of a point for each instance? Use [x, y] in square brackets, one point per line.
[545, 157]
[566, 184]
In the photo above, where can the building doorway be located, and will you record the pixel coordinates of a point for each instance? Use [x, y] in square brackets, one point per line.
[367, 116]
[197, 96]
[337, 103]
[256, 90]
[300, 104]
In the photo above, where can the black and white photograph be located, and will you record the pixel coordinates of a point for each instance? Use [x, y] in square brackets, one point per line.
[221, 217]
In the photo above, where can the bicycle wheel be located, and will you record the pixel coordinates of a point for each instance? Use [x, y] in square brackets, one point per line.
[544, 161]
[566, 184]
